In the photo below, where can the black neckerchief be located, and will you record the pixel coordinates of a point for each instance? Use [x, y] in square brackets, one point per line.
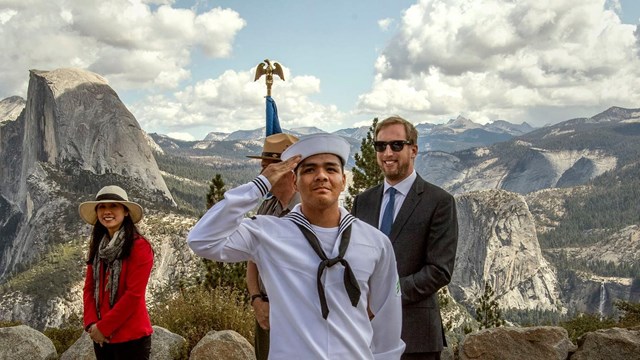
[350, 281]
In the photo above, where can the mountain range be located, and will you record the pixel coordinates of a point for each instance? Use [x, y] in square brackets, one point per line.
[225, 153]
[534, 208]
[456, 134]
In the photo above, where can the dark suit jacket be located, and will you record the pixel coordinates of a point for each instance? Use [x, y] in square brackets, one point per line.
[424, 237]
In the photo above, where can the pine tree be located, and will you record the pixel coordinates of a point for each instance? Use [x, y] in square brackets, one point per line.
[443, 302]
[366, 173]
[219, 273]
[216, 190]
[488, 312]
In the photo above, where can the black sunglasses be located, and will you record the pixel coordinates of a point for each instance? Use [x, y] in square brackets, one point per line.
[396, 145]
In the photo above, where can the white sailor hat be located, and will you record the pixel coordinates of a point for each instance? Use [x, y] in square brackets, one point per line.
[322, 143]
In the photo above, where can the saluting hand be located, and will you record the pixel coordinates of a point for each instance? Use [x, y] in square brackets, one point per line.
[275, 171]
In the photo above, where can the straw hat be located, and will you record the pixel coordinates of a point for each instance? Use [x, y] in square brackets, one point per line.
[109, 194]
[321, 143]
[274, 145]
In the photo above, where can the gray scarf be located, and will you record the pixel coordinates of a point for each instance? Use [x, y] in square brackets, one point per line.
[109, 252]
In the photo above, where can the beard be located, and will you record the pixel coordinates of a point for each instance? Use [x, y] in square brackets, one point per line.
[398, 173]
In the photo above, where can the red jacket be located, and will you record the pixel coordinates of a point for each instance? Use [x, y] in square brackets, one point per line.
[128, 319]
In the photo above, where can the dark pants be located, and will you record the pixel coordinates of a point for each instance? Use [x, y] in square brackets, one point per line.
[261, 343]
[421, 356]
[138, 349]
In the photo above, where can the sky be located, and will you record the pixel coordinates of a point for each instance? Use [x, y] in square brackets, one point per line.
[186, 68]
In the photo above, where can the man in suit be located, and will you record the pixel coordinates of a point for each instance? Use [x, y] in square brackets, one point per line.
[420, 220]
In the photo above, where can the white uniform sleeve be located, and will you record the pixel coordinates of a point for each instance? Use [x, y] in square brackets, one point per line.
[386, 304]
[223, 234]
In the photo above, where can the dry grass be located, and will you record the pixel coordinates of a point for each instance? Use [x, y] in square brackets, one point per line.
[196, 311]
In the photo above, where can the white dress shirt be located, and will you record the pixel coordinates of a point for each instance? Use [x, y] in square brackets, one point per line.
[402, 189]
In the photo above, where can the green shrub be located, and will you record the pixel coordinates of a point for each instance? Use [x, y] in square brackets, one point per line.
[197, 310]
[584, 323]
[220, 274]
[63, 338]
[4, 323]
[630, 313]
[67, 334]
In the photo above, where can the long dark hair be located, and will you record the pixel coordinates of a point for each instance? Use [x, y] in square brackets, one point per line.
[99, 231]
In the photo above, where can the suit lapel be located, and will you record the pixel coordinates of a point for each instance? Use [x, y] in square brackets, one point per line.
[371, 214]
[408, 206]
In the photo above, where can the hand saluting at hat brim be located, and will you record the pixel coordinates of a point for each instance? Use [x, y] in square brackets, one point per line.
[275, 171]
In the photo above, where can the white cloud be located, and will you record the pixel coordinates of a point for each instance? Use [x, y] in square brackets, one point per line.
[217, 29]
[502, 59]
[129, 42]
[159, 2]
[384, 24]
[614, 5]
[181, 136]
[234, 101]
[6, 15]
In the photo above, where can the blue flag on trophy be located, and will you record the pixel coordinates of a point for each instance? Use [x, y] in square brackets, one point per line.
[273, 124]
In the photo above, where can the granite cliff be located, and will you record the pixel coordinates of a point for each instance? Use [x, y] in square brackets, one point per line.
[498, 246]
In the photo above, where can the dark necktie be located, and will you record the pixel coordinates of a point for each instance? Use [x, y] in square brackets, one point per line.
[350, 281]
[387, 217]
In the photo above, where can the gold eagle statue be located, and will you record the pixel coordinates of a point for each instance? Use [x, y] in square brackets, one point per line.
[266, 67]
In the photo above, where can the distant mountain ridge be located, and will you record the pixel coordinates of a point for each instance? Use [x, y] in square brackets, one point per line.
[457, 134]
[455, 126]
[566, 154]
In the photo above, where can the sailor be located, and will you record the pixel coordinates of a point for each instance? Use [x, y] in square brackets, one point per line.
[331, 278]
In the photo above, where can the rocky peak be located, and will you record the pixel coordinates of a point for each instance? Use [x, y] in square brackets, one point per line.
[617, 114]
[10, 108]
[247, 134]
[215, 136]
[74, 116]
[509, 128]
[498, 245]
[358, 133]
[461, 124]
[152, 144]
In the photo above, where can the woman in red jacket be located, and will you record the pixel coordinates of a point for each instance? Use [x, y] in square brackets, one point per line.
[118, 268]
